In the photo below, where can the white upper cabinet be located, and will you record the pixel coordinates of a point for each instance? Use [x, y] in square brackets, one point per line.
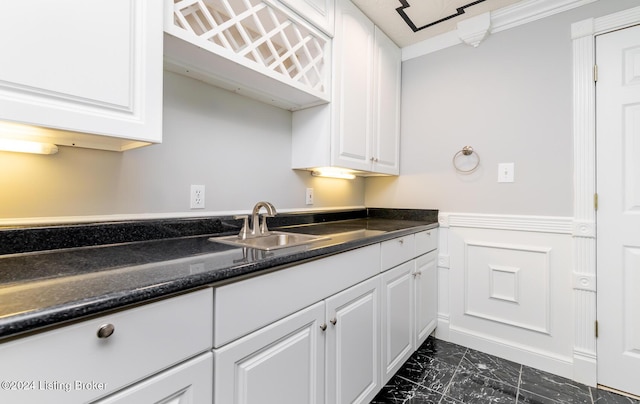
[360, 129]
[386, 102]
[258, 48]
[318, 12]
[89, 72]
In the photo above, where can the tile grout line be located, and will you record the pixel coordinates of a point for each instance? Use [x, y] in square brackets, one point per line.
[518, 386]
[446, 389]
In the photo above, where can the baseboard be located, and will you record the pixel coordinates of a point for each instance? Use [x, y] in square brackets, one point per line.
[546, 361]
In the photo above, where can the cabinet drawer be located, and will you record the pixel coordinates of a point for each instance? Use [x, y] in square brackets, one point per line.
[189, 382]
[245, 306]
[395, 252]
[72, 365]
[426, 241]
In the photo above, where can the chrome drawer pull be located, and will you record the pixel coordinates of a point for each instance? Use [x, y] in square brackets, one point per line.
[106, 330]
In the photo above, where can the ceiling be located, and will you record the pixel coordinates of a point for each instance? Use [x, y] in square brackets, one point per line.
[410, 21]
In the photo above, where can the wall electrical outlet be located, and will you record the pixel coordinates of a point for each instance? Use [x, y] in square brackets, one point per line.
[505, 172]
[309, 196]
[197, 197]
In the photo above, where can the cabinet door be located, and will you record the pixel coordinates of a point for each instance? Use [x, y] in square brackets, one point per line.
[353, 344]
[188, 383]
[282, 363]
[83, 66]
[386, 132]
[397, 318]
[426, 295]
[353, 91]
[318, 12]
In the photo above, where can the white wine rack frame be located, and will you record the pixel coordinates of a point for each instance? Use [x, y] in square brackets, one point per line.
[261, 35]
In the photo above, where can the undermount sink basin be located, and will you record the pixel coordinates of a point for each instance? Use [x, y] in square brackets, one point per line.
[272, 241]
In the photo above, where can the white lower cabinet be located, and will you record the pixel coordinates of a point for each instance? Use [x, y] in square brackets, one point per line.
[425, 281]
[91, 359]
[188, 383]
[409, 297]
[397, 318]
[331, 347]
[353, 344]
[339, 350]
[282, 363]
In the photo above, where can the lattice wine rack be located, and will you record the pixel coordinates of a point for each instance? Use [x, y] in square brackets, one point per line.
[261, 34]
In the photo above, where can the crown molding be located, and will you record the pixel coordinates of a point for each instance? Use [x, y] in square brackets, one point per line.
[500, 20]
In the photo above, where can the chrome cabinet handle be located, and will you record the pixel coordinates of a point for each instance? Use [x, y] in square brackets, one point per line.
[333, 321]
[323, 326]
[105, 331]
[401, 241]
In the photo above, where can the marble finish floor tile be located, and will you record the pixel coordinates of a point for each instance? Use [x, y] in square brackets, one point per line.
[554, 387]
[606, 397]
[440, 372]
[470, 387]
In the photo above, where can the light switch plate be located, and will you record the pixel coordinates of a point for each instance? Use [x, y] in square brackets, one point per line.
[308, 196]
[506, 172]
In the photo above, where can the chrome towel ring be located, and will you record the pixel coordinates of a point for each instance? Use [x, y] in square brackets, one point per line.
[466, 151]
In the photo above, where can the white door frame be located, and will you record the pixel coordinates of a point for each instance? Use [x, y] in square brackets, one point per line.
[584, 167]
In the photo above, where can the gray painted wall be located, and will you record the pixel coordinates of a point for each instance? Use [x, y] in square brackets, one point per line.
[511, 99]
[238, 148]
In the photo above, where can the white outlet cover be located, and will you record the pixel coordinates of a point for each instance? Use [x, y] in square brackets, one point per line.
[196, 197]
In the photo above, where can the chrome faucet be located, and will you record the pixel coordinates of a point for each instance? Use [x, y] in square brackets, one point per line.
[271, 212]
[260, 229]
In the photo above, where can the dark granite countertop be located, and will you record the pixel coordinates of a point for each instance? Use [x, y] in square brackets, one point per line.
[43, 287]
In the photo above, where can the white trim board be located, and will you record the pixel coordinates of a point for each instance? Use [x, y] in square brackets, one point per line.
[542, 224]
[537, 358]
[583, 34]
[501, 20]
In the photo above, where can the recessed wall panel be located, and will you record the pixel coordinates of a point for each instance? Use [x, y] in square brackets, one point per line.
[631, 279]
[631, 145]
[508, 284]
[632, 66]
[504, 283]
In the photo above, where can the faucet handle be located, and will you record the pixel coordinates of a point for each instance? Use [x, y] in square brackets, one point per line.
[245, 226]
[263, 223]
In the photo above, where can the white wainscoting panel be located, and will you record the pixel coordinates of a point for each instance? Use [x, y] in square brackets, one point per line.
[509, 287]
[508, 284]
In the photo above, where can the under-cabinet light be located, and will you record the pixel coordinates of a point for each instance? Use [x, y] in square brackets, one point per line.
[332, 173]
[25, 146]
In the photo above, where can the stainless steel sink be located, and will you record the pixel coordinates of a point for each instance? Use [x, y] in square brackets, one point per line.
[272, 241]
